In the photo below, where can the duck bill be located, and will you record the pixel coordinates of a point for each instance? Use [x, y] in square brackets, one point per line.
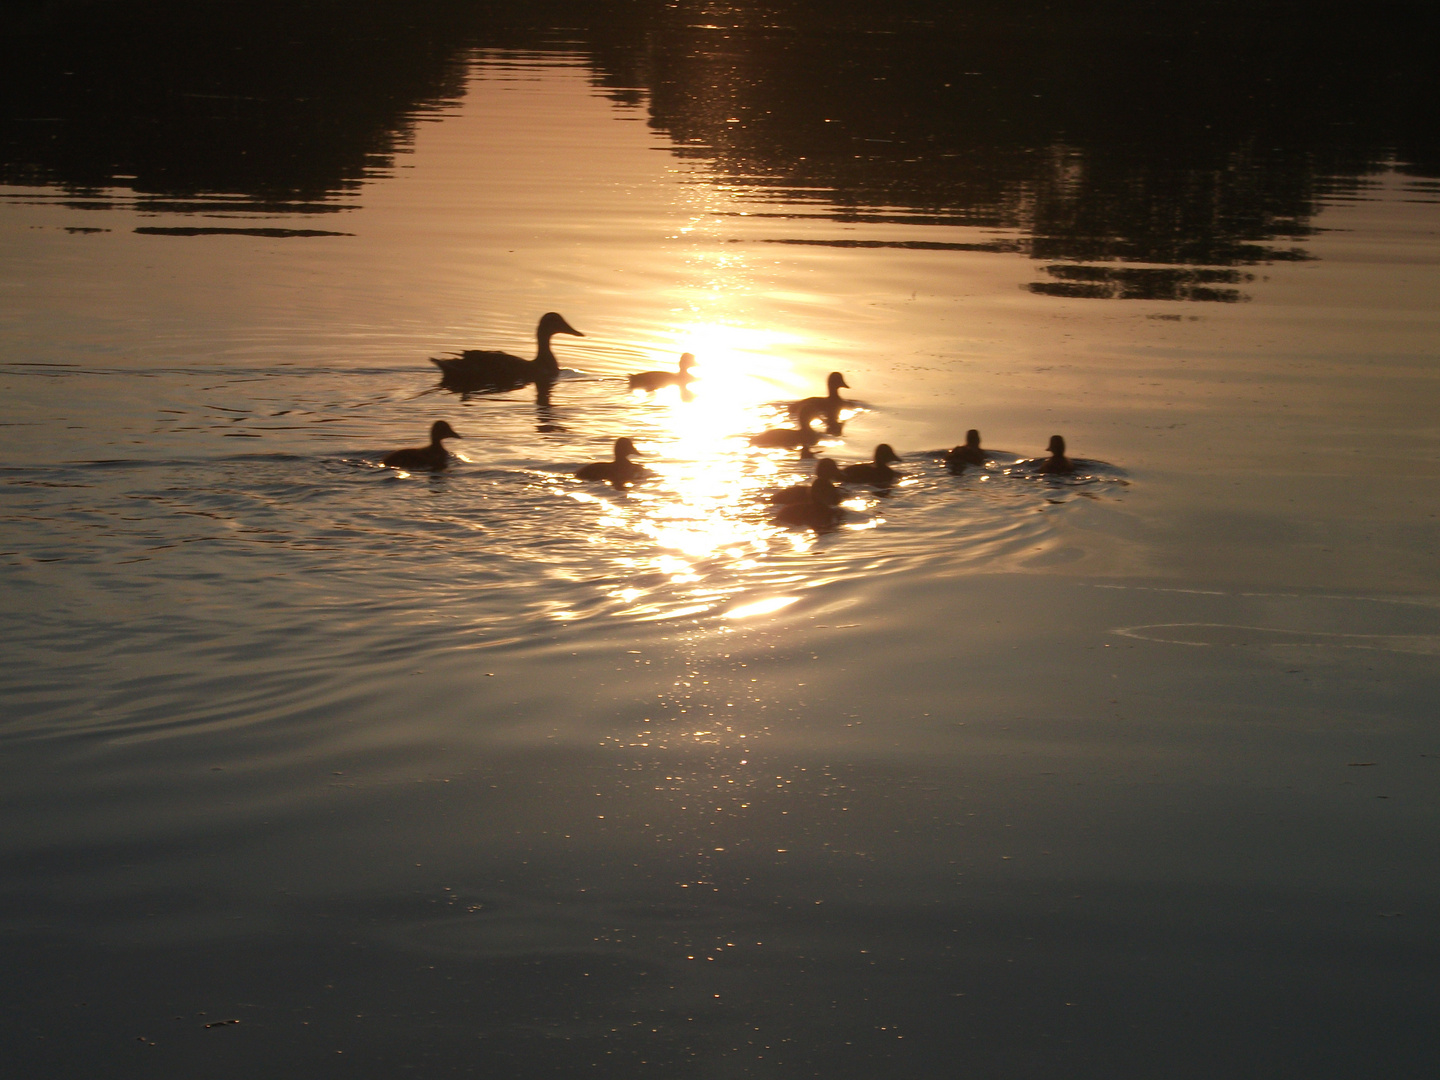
[566, 328]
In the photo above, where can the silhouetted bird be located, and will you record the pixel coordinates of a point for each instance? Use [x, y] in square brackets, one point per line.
[479, 369]
[828, 407]
[651, 381]
[826, 473]
[801, 436]
[969, 454]
[1057, 463]
[619, 472]
[815, 513]
[424, 457]
[877, 471]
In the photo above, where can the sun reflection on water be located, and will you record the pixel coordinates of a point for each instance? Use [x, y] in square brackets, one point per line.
[706, 509]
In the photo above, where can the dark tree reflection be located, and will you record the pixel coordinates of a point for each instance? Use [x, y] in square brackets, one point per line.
[1104, 131]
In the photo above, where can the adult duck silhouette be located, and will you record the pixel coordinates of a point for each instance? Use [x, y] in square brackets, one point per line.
[650, 381]
[827, 408]
[487, 370]
[621, 471]
[432, 457]
[827, 474]
[876, 471]
[968, 454]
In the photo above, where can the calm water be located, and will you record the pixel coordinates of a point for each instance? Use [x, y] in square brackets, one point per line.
[495, 772]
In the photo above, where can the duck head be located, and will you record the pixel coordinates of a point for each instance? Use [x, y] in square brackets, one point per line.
[884, 454]
[441, 430]
[625, 449]
[1057, 446]
[835, 381]
[972, 438]
[687, 361]
[554, 323]
[826, 469]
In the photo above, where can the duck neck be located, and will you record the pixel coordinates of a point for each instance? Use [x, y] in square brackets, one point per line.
[545, 356]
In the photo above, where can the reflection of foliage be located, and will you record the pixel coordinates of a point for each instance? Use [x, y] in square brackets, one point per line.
[1141, 283]
[1108, 130]
[1104, 130]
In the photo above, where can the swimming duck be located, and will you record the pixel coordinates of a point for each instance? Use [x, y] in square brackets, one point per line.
[877, 471]
[826, 473]
[815, 512]
[969, 454]
[651, 381]
[1057, 463]
[476, 369]
[802, 435]
[424, 457]
[619, 472]
[829, 406]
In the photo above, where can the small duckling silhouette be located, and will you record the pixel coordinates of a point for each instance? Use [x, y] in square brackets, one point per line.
[828, 407]
[1057, 463]
[431, 457]
[877, 471]
[814, 513]
[621, 471]
[650, 381]
[826, 473]
[969, 454]
[801, 436]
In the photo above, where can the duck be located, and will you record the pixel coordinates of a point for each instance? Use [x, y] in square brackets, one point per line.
[650, 381]
[1057, 464]
[969, 454]
[829, 406]
[431, 457]
[826, 473]
[490, 370]
[815, 512]
[876, 471]
[621, 471]
[802, 435]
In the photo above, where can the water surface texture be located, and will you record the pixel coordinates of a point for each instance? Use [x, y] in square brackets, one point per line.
[327, 768]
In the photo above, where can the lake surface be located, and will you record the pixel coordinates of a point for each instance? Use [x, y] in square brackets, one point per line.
[317, 765]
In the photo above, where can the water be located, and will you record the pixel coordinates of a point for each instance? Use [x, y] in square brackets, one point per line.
[498, 772]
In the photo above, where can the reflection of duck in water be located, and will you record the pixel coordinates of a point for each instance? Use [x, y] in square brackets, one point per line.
[619, 472]
[813, 408]
[424, 457]
[481, 369]
[1057, 464]
[650, 381]
[827, 475]
[969, 454]
[802, 435]
[877, 471]
[816, 512]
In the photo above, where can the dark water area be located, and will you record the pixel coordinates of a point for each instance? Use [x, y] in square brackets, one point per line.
[317, 766]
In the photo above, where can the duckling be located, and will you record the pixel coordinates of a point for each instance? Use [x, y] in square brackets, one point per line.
[814, 513]
[969, 454]
[802, 435]
[826, 473]
[619, 472]
[651, 381]
[424, 457]
[480, 369]
[1057, 463]
[829, 406]
[877, 471]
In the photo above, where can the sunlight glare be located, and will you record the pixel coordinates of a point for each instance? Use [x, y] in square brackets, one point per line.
[761, 607]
